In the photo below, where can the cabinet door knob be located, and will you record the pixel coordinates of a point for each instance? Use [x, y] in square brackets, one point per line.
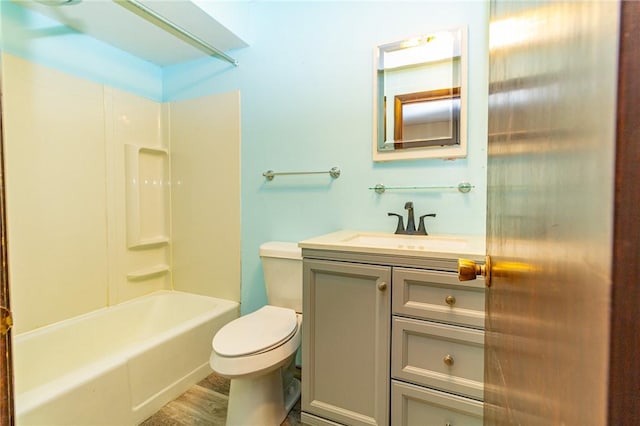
[448, 360]
[451, 300]
[382, 286]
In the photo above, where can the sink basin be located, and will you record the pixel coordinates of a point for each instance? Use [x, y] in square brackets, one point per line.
[398, 244]
[411, 242]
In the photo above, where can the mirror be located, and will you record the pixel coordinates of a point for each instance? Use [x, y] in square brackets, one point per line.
[420, 97]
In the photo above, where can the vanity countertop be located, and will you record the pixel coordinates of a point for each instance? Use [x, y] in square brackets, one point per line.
[427, 246]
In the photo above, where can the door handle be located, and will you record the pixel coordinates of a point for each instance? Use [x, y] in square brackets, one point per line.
[468, 270]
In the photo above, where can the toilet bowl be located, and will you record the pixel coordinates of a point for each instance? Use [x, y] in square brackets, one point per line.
[257, 351]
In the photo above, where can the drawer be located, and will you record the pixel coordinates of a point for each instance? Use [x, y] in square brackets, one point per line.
[415, 406]
[438, 296]
[440, 356]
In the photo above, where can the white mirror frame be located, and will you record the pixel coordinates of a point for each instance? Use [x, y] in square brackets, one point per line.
[445, 152]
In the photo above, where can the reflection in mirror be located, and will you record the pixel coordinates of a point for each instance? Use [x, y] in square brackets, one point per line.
[427, 118]
[420, 97]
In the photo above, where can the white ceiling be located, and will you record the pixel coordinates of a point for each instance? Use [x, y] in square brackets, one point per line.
[114, 24]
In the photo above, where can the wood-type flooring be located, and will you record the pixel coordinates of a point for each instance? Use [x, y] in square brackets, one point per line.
[205, 404]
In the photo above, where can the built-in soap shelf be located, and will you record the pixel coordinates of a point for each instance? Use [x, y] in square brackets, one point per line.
[143, 274]
[150, 243]
[147, 195]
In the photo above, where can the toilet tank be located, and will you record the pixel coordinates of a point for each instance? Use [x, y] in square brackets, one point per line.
[282, 268]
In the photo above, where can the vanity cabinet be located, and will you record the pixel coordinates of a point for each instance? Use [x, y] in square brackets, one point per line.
[346, 331]
[390, 341]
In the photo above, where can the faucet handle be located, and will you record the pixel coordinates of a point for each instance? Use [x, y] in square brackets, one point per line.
[400, 227]
[421, 228]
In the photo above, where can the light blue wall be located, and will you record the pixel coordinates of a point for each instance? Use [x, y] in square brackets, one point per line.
[306, 85]
[35, 37]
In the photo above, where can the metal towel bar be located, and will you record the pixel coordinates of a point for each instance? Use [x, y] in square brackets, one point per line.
[270, 174]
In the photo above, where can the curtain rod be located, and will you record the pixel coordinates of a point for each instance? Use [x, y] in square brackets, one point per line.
[162, 22]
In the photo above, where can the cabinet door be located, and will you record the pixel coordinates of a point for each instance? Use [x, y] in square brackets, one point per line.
[345, 349]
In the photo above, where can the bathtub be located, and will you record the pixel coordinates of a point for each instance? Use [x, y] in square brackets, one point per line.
[117, 365]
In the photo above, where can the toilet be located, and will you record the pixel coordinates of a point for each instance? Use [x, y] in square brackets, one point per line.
[257, 351]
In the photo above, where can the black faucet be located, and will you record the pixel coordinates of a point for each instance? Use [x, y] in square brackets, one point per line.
[421, 228]
[400, 227]
[411, 224]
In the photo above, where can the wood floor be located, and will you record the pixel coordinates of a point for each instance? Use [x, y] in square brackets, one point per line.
[205, 404]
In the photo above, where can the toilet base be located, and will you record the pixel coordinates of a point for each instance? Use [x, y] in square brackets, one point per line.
[291, 396]
[260, 401]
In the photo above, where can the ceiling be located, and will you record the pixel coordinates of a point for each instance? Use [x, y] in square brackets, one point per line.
[115, 24]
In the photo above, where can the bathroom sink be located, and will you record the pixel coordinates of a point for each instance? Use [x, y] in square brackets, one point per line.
[410, 242]
[399, 244]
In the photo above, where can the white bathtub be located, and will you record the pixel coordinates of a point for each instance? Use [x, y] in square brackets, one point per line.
[117, 365]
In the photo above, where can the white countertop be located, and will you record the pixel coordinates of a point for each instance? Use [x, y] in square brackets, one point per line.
[432, 246]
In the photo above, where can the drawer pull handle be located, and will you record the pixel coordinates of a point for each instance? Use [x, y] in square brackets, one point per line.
[451, 300]
[382, 286]
[448, 360]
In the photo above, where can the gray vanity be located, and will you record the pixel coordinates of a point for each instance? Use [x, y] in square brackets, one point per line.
[390, 336]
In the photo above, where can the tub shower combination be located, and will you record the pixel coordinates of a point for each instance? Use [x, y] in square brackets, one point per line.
[116, 365]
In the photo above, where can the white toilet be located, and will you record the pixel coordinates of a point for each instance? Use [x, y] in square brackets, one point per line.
[257, 351]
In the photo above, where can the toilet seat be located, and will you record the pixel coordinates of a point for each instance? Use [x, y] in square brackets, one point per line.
[265, 356]
[277, 355]
[257, 332]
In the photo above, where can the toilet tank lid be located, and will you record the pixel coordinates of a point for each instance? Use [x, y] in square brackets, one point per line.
[286, 250]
